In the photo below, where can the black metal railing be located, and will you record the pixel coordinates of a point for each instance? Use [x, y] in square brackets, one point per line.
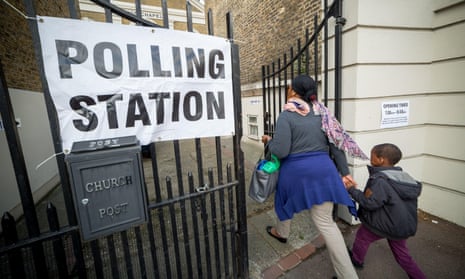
[277, 75]
[198, 231]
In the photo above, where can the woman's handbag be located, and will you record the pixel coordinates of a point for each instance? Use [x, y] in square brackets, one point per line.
[264, 179]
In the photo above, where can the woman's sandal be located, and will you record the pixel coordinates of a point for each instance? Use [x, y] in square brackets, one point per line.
[280, 239]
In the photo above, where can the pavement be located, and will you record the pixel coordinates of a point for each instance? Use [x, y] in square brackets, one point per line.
[438, 246]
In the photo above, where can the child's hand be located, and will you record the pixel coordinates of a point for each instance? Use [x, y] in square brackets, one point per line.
[349, 181]
[368, 193]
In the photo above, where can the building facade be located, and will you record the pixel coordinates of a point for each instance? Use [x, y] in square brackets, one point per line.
[406, 55]
[151, 10]
[395, 53]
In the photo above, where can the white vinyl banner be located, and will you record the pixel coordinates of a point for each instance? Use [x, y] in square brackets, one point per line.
[112, 80]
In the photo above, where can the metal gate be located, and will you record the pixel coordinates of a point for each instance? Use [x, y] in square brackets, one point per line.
[276, 76]
[196, 213]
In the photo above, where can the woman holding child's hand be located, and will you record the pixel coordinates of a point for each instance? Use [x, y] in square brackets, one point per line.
[306, 135]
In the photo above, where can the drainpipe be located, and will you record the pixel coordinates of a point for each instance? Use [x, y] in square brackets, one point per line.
[340, 22]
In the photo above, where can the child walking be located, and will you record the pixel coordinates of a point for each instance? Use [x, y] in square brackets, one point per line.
[387, 209]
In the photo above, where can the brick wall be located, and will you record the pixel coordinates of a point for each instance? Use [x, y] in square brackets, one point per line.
[16, 49]
[263, 29]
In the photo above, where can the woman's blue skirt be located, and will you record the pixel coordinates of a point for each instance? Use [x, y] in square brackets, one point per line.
[306, 179]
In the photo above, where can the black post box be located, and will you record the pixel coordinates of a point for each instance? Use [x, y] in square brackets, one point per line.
[108, 185]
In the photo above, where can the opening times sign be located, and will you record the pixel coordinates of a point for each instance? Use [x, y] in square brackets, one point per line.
[111, 80]
[394, 114]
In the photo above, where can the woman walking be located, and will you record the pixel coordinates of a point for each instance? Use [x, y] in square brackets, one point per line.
[305, 136]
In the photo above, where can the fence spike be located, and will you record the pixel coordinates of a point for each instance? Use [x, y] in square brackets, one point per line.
[52, 217]
[9, 228]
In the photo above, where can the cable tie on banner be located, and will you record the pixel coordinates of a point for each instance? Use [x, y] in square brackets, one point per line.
[18, 11]
[48, 159]
[202, 188]
[233, 41]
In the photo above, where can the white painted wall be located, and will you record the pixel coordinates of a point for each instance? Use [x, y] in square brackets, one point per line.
[396, 50]
[37, 145]
[414, 51]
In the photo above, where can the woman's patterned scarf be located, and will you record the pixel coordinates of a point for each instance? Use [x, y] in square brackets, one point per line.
[329, 124]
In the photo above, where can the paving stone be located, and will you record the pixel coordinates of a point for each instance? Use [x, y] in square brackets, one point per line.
[289, 262]
[318, 242]
[305, 251]
[272, 272]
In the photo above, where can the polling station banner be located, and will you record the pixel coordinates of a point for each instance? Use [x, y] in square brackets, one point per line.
[112, 80]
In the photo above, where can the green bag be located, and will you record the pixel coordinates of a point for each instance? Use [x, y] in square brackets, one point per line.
[271, 166]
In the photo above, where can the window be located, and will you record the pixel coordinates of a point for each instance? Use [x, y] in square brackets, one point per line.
[253, 126]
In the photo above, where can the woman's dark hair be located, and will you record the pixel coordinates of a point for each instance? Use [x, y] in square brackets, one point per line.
[388, 151]
[305, 87]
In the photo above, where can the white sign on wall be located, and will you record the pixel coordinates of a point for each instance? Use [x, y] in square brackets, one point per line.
[394, 114]
[112, 80]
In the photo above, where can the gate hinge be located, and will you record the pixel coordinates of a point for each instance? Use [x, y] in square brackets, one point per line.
[341, 20]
